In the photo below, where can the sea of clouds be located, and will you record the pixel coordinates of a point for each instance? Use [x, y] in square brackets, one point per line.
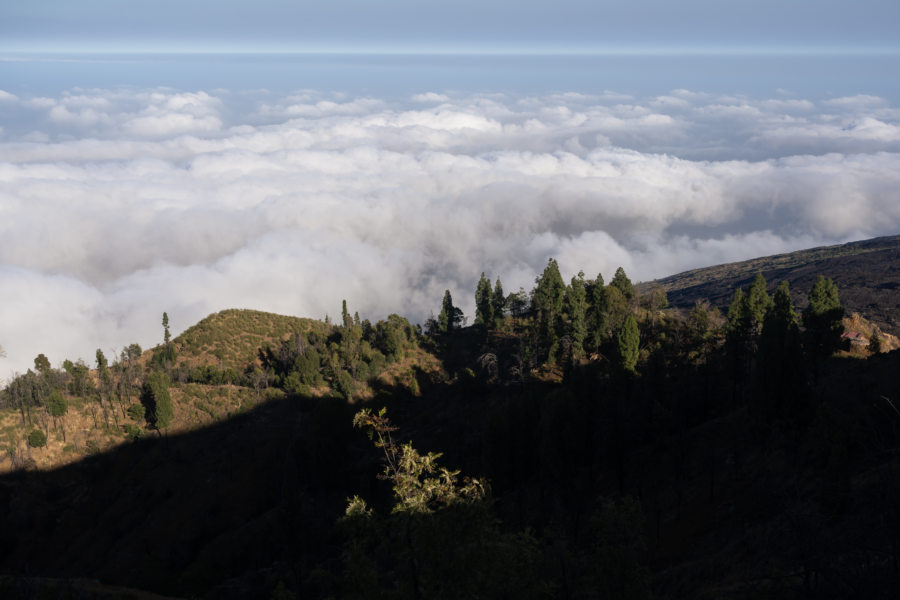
[119, 204]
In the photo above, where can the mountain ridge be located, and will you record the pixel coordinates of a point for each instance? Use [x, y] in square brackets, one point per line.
[875, 296]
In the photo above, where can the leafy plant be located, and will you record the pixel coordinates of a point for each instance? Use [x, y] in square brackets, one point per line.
[37, 439]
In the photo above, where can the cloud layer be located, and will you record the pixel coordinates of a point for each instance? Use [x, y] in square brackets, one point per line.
[117, 205]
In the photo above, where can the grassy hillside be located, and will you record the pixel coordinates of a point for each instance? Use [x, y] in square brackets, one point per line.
[232, 338]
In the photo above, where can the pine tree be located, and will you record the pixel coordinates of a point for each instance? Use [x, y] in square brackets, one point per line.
[447, 320]
[548, 295]
[628, 345]
[484, 309]
[498, 301]
[165, 324]
[156, 400]
[779, 359]
[576, 306]
[547, 304]
[346, 320]
[597, 312]
[621, 282]
[822, 320]
[757, 303]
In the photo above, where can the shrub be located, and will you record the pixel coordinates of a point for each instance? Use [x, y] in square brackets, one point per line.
[133, 432]
[343, 383]
[37, 439]
[136, 411]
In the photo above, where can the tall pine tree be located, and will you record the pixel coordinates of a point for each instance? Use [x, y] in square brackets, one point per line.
[823, 321]
[450, 316]
[547, 304]
[498, 301]
[484, 308]
[780, 360]
[628, 346]
[576, 306]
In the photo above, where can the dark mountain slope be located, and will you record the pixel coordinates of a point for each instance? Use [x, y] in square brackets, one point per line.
[867, 274]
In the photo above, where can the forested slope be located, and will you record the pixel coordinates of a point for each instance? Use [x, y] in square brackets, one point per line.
[581, 441]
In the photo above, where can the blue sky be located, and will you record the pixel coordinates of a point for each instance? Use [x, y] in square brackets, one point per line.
[457, 25]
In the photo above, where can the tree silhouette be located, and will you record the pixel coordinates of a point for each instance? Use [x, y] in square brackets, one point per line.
[822, 320]
[779, 359]
[450, 316]
[498, 301]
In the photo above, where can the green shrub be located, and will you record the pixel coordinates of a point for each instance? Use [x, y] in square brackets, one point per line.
[133, 432]
[37, 439]
[136, 411]
[343, 383]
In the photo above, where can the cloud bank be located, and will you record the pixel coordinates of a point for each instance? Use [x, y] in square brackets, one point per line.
[117, 205]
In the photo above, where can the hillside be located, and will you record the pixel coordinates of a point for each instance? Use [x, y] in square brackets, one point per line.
[224, 343]
[619, 450]
[866, 272]
[232, 338]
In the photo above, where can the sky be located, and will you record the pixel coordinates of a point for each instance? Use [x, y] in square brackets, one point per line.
[444, 25]
[696, 133]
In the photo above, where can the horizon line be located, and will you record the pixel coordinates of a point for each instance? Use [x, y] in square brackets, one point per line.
[412, 50]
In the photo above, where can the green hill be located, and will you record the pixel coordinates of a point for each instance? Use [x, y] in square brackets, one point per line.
[232, 338]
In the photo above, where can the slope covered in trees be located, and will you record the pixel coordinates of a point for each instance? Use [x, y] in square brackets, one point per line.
[864, 271]
[580, 441]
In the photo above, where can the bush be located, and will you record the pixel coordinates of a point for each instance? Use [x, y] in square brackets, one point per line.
[136, 411]
[56, 404]
[343, 383]
[37, 439]
[133, 432]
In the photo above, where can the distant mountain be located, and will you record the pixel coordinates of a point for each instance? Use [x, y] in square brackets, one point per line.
[866, 272]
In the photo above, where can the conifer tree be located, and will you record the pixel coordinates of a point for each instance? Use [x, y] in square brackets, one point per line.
[617, 308]
[822, 320]
[498, 301]
[576, 306]
[165, 324]
[447, 319]
[628, 344]
[757, 303]
[484, 309]
[621, 282]
[547, 304]
[346, 320]
[156, 400]
[779, 358]
[548, 295]
[597, 312]
[737, 338]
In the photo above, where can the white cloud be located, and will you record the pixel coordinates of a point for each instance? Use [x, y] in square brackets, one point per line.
[117, 205]
[430, 97]
[858, 101]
